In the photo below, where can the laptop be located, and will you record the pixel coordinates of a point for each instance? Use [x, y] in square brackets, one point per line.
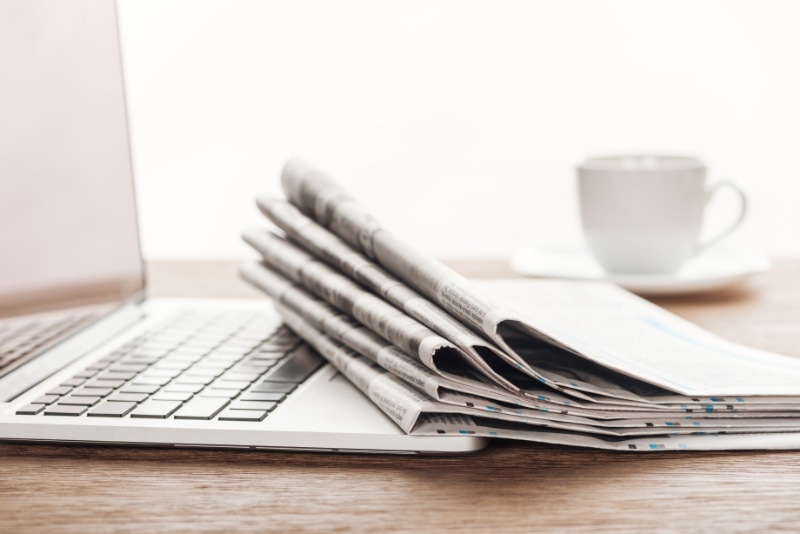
[85, 356]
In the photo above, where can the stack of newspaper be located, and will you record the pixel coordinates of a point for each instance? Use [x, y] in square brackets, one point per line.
[561, 362]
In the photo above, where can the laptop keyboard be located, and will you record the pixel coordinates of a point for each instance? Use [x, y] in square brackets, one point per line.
[20, 338]
[230, 366]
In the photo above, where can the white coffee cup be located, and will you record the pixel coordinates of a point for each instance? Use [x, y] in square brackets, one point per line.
[644, 213]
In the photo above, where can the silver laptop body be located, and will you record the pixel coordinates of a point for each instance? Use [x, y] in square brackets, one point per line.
[84, 355]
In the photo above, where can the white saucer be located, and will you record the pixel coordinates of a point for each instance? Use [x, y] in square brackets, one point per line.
[722, 267]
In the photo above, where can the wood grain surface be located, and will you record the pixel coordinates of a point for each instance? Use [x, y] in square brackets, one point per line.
[508, 487]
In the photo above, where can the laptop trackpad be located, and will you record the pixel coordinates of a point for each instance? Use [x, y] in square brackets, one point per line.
[330, 403]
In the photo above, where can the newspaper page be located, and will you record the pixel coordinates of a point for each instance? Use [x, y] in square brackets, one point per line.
[707, 365]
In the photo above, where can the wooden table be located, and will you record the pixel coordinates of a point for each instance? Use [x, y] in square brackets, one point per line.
[507, 487]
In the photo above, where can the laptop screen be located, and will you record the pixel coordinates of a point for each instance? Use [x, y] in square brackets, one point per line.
[68, 228]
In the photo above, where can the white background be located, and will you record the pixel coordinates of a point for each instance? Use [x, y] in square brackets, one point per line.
[484, 107]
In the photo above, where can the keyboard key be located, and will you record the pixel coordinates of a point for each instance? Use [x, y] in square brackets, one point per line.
[242, 415]
[194, 371]
[62, 390]
[201, 408]
[220, 393]
[112, 384]
[184, 388]
[112, 409]
[213, 371]
[273, 397]
[228, 353]
[182, 357]
[92, 392]
[167, 373]
[72, 382]
[151, 380]
[297, 367]
[138, 360]
[138, 388]
[273, 387]
[127, 397]
[196, 351]
[255, 367]
[202, 380]
[173, 396]
[240, 377]
[179, 365]
[278, 346]
[45, 399]
[151, 352]
[79, 401]
[31, 409]
[253, 405]
[116, 375]
[128, 367]
[223, 384]
[270, 355]
[86, 373]
[58, 409]
[156, 409]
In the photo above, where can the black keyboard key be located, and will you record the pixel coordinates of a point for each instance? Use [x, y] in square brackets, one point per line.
[112, 409]
[156, 409]
[273, 397]
[298, 366]
[201, 408]
[127, 397]
[31, 409]
[45, 399]
[253, 405]
[242, 415]
[58, 409]
[273, 387]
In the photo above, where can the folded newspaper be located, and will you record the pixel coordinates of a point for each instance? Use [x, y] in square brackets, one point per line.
[561, 362]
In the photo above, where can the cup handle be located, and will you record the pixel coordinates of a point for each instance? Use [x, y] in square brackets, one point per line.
[739, 219]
